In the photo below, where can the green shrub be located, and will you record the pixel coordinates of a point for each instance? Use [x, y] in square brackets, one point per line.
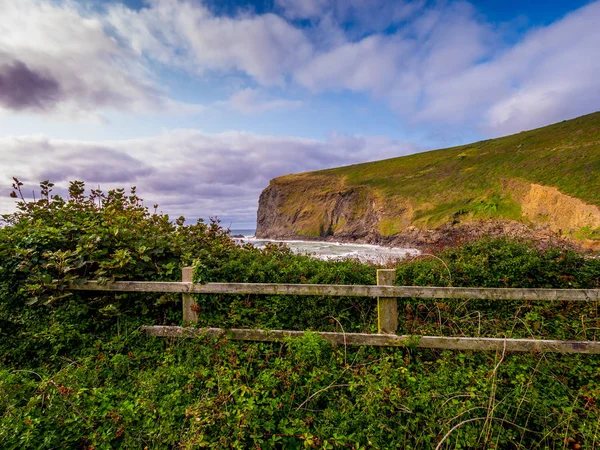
[277, 264]
[502, 263]
[305, 393]
[76, 372]
[53, 241]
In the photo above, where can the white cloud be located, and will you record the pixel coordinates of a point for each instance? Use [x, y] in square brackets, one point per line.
[449, 67]
[187, 172]
[368, 65]
[403, 67]
[442, 66]
[55, 60]
[186, 34]
[549, 76]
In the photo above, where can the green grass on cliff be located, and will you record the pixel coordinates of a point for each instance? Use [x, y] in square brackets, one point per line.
[472, 179]
[565, 155]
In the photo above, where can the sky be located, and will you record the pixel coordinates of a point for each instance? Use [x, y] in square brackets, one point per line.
[199, 103]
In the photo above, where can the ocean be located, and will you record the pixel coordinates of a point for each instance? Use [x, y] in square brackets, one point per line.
[332, 250]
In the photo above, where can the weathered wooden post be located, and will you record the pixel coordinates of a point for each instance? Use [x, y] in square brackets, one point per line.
[387, 307]
[190, 315]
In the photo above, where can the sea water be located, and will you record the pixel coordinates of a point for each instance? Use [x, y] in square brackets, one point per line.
[331, 249]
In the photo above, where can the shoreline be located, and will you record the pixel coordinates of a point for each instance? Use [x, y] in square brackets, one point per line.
[447, 236]
[333, 249]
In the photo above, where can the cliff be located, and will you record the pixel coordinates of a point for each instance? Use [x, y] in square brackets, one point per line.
[540, 184]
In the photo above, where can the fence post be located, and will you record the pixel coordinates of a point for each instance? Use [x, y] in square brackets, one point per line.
[387, 307]
[190, 315]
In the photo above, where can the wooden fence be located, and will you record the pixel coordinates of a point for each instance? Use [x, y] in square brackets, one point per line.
[387, 311]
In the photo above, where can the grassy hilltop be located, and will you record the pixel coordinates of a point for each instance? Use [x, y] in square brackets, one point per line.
[546, 178]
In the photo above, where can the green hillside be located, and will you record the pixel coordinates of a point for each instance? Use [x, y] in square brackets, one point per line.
[489, 179]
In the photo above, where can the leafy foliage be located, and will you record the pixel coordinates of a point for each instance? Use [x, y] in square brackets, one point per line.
[203, 393]
[502, 263]
[75, 371]
[52, 242]
[277, 264]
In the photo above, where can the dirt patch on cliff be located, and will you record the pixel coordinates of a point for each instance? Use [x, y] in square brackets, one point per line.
[561, 213]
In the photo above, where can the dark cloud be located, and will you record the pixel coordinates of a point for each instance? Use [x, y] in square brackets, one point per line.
[189, 190]
[24, 89]
[98, 165]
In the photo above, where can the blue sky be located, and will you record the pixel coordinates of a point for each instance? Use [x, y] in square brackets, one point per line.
[201, 102]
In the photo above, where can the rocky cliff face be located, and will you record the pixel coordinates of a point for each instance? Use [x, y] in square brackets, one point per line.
[350, 213]
[288, 208]
[559, 212]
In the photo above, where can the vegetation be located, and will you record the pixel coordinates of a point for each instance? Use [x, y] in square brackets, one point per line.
[75, 372]
[483, 180]
[564, 155]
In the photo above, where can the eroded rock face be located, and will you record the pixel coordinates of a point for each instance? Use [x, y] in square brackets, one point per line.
[561, 213]
[290, 210]
[270, 222]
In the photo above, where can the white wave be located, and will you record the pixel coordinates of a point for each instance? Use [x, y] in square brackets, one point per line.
[339, 250]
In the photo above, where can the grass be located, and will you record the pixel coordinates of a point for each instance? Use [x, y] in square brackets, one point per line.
[564, 155]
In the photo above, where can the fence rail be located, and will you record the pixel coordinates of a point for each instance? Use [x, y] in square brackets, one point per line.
[387, 311]
[388, 340]
[341, 290]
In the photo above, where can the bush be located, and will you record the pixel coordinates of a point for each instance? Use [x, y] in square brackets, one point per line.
[75, 371]
[137, 392]
[52, 242]
[502, 263]
[277, 264]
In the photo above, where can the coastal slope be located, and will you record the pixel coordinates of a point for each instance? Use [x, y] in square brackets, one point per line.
[541, 183]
